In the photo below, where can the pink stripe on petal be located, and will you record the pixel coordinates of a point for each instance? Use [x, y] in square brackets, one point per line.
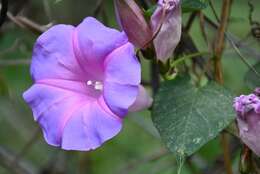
[89, 128]
[72, 86]
[68, 115]
[53, 55]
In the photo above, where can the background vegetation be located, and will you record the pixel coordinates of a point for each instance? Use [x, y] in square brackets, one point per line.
[138, 148]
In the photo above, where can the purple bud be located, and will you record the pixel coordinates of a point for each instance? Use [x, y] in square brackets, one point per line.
[168, 4]
[257, 92]
[166, 25]
[132, 21]
[248, 118]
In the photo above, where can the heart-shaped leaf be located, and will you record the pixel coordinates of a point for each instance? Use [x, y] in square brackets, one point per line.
[188, 117]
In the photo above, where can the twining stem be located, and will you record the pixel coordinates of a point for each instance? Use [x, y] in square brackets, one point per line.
[233, 44]
[218, 51]
[220, 40]
[226, 152]
[242, 57]
[186, 57]
[27, 146]
[202, 28]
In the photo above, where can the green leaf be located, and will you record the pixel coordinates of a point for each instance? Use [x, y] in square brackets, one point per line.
[149, 12]
[193, 5]
[187, 117]
[251, 78]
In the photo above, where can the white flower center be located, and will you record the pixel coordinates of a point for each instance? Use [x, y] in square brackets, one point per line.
[97, 85]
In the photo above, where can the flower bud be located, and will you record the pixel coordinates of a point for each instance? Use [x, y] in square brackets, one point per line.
[166, 25]
[132, 21]
[248, 119]
[257, 92]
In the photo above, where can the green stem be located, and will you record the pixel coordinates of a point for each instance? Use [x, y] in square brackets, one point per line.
[190, 56]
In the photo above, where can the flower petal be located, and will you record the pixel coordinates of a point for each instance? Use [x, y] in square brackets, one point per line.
[249, 131]
[53, 55]
[122, 66]
[119, 97]
[51, 107]
[142, 101]
[170, 33]
[90, 127]
[122, 77]
[69, 118]
[93, 42]
[248, 119]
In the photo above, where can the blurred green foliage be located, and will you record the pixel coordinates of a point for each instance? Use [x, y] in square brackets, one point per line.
[128, 152]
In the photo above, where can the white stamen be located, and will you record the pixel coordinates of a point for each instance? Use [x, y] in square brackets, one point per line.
[97, 85]
[89, 82]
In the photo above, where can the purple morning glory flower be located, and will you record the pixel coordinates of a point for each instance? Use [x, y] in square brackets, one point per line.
[86, 78]
[248, 119]
[167, 18]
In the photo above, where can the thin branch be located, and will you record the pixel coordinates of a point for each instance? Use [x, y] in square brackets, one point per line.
[153, 157]
[28, 145]
[57, 164]
[189, 56]
[187, 46]
[17, 62]
[234, 44]
[202, 28]
[220, 39]
[217, 166]
[243, 58]
[190, 21]
[33, 26]
[47, 9]
[14, 20]
[249, 50]
[218, 51]
[21, 167]
[26, 23]
[98, 8]
[13, 47]
[226, 152]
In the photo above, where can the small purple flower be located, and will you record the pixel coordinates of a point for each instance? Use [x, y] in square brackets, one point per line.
[86, 79]
[166, 19]
[248, 118]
